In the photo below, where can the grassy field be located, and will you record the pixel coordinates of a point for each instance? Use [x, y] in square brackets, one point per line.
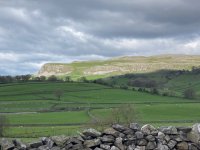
[33, 110]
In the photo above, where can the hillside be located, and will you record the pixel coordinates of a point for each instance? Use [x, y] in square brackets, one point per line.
[167, 82]
[121, 65]
[33, 110]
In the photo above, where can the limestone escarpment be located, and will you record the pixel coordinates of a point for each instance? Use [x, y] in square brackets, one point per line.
[122, 65]
[54, 69]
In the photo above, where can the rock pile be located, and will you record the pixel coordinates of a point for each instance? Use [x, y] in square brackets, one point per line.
[118, 137]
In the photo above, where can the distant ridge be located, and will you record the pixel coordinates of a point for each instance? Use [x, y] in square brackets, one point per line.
[120, 65]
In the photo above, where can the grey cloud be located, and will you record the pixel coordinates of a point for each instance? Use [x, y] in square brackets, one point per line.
[33, 32]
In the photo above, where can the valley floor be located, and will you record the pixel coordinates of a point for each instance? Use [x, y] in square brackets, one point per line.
[33, 109]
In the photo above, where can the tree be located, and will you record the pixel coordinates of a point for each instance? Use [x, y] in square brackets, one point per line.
[189, 93]
[123, 86]
[154, 91]
[18, 78]
[42, 78]
[68, 79]
[58, 94]
[82, 79]
[25, 78]
[3, 125]
[124, 114]
[52, 78]
[6, 79]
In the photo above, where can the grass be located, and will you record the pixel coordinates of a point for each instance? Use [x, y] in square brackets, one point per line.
[49, 118]
[35, 132]
[29, 104]
[161, 112]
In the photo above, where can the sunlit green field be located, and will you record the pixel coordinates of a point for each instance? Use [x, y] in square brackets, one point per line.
[33, 107]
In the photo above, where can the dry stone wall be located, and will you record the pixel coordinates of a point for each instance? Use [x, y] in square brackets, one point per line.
[118, 137]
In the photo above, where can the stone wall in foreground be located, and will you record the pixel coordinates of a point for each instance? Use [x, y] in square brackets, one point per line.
[118, 137]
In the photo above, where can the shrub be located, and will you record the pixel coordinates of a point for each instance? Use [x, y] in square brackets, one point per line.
[52, 78]
[154, 91]
[142, 82]
[124, 114]
[189, 94]
[58, 94]
[68, 79]
[140, 90]
[82, 79]
[125, 87]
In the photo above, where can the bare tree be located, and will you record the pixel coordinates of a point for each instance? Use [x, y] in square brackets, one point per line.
[58, 94]
[125, 114]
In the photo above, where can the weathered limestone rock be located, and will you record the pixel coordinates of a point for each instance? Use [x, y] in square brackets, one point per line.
[194, 135]
[59, 140]
[192, 146]
[182, 146]
[169, 130]
[139, 135]
[111, 131]
[107, 139]
[92, 143]
[114, 148]
[161, 135]
[36, 144]
[140, 148]
[105, 147]
[135, 126]
[19, 144]
[48, 142]
[142, 142]
[184, 129]
[172, 144]
[148, 129]
[150, 138]
[119, 128]
[131, 147]
[162, 147]
[91, 132]
[119, 144]
[6, 144]
[151, 145]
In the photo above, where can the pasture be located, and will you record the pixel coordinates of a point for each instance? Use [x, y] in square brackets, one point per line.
[33, 110]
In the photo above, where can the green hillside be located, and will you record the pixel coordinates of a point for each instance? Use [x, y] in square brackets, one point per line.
[118, 66]
[168, 82]
[33, 110]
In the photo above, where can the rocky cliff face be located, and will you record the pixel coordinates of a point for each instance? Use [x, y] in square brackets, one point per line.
[121, 65]
[55, 69]
[118, 137]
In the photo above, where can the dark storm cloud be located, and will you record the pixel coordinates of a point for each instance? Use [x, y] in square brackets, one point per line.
[33, 32]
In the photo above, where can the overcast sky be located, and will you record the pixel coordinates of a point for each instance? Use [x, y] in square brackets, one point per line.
[34, 32]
